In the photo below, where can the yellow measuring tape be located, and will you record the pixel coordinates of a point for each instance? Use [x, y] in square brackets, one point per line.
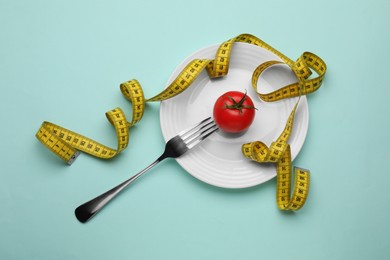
[66, 144]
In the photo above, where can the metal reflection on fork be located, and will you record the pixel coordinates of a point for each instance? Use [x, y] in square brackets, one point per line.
[174, 148]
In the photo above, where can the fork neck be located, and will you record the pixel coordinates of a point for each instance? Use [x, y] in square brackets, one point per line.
[162, 157]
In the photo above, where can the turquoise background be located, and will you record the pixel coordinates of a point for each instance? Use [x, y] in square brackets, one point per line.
[63, 61]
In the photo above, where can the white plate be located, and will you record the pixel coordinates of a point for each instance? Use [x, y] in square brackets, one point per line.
[218, 160]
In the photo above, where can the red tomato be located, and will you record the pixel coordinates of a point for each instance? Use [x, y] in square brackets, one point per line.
[234, 112]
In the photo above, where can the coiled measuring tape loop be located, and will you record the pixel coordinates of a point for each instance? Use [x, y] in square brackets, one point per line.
[279, 151]
[66, 144]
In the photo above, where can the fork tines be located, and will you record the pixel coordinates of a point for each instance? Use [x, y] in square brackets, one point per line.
[199, 132]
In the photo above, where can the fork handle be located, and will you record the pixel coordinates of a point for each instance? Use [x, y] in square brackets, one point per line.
[87, 210]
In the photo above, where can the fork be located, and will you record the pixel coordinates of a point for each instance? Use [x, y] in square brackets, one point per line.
[174, 148]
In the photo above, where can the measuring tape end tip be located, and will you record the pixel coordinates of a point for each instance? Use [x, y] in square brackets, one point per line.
[73, 158]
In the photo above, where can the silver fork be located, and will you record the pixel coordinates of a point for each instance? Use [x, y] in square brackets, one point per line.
[174, 148]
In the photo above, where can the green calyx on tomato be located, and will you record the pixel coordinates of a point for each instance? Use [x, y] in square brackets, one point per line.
[240, 104]
[234, 112]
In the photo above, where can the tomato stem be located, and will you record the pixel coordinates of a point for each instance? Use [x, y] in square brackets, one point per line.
[238, 105]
